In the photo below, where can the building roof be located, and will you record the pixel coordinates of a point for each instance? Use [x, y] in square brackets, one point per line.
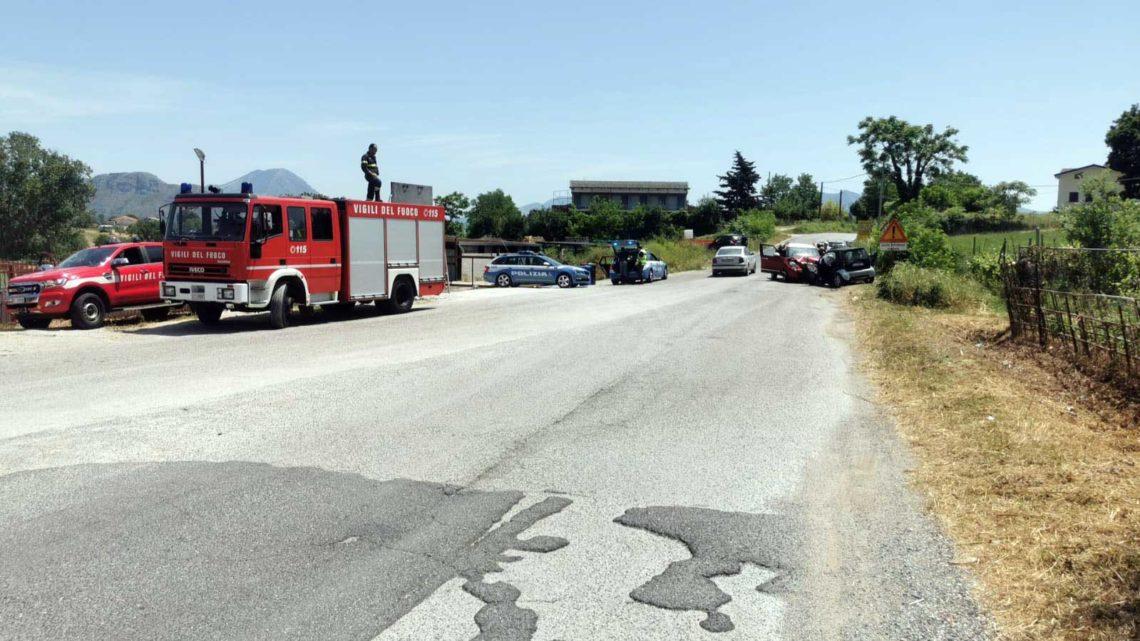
[629, 186]
[1069, 171]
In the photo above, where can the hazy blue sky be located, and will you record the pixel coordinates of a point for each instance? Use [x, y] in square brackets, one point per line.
[528, 95]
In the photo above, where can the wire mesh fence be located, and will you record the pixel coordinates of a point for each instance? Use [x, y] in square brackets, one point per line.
[1081, 300]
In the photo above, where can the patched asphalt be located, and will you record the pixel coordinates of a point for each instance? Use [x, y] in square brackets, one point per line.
[457, 472]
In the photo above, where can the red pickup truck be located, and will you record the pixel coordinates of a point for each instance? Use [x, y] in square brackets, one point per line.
[89, 284]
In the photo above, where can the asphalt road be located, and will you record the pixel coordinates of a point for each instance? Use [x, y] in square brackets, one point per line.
[691, 459]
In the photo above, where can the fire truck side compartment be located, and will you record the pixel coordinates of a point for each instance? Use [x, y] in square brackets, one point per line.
[368, 268]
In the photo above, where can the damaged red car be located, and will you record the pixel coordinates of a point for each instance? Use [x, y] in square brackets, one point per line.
[795, 262]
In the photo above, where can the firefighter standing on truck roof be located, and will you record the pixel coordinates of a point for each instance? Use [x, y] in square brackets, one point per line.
[371, 172]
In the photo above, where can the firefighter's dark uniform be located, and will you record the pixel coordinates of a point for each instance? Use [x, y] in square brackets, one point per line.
[371, 174]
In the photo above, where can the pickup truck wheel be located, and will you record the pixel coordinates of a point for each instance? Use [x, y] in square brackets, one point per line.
[280, 305]
[403, 297]
[156, 314]
[565, 281]
[33, 322]
[207, 313]
[88, 312]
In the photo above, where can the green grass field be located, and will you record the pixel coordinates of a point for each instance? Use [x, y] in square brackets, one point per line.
[966, 244]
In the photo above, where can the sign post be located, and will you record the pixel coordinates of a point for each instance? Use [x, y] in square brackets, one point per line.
[893, 238]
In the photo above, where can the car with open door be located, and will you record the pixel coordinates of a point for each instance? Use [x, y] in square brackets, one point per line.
[794, 262]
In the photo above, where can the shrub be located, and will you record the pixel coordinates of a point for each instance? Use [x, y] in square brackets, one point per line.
[754, 223]
[930, 247]
[680, 255]
[986, 269]
[909, 284]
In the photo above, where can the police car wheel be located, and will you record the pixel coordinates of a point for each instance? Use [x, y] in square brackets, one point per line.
[564, 281]
[87, 312]
[33, 322]
[503, 280]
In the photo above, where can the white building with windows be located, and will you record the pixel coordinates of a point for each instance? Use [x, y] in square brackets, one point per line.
[1069, 182]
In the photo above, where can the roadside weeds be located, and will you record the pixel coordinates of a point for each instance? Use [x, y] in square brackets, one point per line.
[1030, 468]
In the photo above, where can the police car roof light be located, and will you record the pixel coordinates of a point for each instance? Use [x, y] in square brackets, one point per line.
[247, 188]
[185, 188]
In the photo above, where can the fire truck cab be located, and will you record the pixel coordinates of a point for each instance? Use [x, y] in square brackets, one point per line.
[245, 252]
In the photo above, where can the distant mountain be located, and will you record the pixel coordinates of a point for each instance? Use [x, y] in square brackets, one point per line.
[141, 194]
[136, 193]
[270, 182]
[529, 207]
[849, 198]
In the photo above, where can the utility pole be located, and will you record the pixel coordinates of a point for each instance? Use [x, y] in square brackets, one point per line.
[880, 214]
[821, 199]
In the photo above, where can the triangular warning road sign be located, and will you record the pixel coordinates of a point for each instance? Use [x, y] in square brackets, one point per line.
[893, 233]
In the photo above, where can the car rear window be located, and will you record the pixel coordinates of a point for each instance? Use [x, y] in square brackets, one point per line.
[729, 250]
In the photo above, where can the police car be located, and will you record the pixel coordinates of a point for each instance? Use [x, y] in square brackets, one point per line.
[529, 268]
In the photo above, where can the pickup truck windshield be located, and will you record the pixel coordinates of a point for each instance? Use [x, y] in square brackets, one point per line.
[91, 257]
[206, 221]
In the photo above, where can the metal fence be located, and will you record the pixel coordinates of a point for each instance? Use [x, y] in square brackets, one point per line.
[1080, 300]
[10, 270]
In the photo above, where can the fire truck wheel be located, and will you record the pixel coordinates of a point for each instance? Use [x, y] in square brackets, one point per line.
[207, 313]
[403, 296]
[87, 311]
[280, 304]
[33, 322]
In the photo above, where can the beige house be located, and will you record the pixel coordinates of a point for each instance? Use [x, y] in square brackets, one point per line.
[1069, 181]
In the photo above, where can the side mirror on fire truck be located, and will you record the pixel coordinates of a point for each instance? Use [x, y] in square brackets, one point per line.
[120, 262]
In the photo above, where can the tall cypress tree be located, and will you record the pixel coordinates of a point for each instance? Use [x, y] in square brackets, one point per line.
[738, 191]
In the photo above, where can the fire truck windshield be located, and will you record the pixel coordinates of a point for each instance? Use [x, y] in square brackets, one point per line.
[206, 221]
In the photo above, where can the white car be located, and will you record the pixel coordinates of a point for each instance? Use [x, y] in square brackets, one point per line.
[734, 259]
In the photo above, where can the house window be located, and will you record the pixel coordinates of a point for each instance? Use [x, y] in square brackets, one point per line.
[1074, 197]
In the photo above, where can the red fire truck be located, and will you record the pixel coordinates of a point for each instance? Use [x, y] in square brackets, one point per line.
[246, 252]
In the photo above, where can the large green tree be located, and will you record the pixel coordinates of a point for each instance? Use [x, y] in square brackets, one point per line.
[775, 189]
[1123, 140]
[906, 154]
[43, 199]
[455, 207]
[551, 224]
[495, 215]
[738, 188]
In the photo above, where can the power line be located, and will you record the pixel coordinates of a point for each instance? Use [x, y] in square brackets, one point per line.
[840, 180]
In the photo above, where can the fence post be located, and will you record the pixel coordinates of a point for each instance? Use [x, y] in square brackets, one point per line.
[1007, 290]
[1042, 333]
[1072, 330]
[1124, 337]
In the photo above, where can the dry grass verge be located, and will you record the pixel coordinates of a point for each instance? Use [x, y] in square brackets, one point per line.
[1032, 474]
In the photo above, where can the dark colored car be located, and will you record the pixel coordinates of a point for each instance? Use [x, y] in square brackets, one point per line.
[729, 240]
[839, 267]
